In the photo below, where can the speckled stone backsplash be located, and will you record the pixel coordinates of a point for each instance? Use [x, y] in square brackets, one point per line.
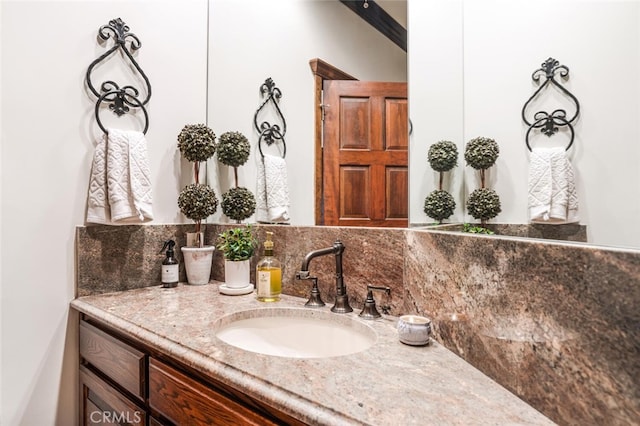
[558, 324]
[115, 258]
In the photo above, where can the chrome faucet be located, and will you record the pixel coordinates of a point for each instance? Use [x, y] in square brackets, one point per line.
[342, 302]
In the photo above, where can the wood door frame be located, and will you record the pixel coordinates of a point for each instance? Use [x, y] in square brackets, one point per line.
[321, 71]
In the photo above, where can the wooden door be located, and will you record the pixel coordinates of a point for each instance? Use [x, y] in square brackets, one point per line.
[365, 144]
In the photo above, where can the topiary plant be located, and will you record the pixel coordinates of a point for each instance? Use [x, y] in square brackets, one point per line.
[481, 153]
[238, 203]
[443, 156]
[439, 205]
[233, 150]
[197, 201]
[483, 204]
[197, 142]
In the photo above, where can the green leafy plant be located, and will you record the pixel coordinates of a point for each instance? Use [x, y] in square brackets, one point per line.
[238, 203]
[237, 243]
[439, 205]
[443, 156]
[483, 204]
[467, 227]
[233, 149]
[481, 153]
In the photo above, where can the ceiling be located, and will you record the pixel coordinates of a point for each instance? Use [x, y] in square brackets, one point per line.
[387, 16]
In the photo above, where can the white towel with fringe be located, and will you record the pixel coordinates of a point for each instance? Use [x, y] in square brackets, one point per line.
[120, 184]
[552, 191]
[272, 203]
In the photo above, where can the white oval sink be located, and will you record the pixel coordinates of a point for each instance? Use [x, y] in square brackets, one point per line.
[295, 333]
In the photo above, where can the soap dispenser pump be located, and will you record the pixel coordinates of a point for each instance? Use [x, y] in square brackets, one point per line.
[170, 266]
[269, 274]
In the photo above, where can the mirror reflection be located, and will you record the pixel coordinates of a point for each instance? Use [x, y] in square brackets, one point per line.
[470, 65]
[492, 48]
[252, 40]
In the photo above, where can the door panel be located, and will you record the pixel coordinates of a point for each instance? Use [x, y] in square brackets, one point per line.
[397, 184]
[396, 133]
[354, 181]
[365, 154]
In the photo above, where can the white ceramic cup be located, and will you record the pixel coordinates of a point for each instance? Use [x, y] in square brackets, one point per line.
[414, 330]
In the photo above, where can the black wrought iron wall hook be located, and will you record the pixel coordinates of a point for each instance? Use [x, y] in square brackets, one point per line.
[549, 123]
[119, 99]
[270, 133]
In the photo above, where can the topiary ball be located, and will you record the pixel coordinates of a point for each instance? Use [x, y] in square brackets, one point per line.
[197, 142]
[238, 203]
[481, 153]
[439, 205]
[233, 149]
[443, 156]
[483, 204]
[197, 201]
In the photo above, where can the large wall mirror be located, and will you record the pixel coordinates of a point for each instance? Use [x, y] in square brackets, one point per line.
[488, 50]
[251, 40]
[469, 69]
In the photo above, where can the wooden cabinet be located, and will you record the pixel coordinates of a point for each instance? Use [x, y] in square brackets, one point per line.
[119, 361]
[100, 403]
[184, 400]
[123, 382]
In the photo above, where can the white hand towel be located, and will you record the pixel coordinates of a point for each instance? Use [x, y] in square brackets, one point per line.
[272, 203]
[552, 192]
[120, 184]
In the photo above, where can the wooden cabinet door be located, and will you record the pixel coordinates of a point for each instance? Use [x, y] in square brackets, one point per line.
[185, 401]
[103, 405]
[365, 154]
[119, 361]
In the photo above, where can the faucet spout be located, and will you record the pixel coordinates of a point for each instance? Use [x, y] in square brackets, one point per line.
[337, 247]
[342, 303]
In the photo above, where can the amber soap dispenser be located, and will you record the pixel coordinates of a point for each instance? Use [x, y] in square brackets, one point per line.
[269, 274]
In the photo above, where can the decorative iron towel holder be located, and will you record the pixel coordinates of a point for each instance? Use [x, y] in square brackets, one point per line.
[549, 123]
[270, 133]
[119, 99]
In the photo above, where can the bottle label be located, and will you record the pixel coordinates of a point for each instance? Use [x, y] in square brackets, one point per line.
[170, 274]
[264, 284]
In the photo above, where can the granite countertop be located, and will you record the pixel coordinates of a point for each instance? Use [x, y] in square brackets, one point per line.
[387, 384]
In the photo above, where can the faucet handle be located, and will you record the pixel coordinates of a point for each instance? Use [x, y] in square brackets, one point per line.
[302, 275]
[315, 301]
[369, 311]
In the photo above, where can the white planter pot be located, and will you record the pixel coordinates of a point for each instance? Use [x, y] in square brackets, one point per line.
[197, 262]
[237, 273]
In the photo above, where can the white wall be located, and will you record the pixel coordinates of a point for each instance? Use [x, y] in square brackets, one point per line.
[1, 228]
[435, 99]
[48, 133]
[504, 41]
[46, 147]
[251, 40]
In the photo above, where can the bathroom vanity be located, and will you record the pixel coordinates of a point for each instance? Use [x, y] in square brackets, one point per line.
[151, 354]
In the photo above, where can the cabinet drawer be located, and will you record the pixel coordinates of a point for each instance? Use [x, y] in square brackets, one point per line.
[102, 404]
[122, 363]
[184, 401]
